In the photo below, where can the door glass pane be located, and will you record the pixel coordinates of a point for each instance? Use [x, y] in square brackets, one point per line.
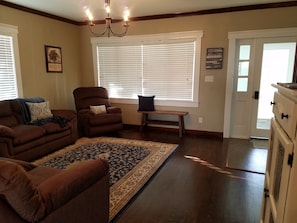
[244, 53]
[278, 172]
[277, 66]
[242, 84]
[243, 69]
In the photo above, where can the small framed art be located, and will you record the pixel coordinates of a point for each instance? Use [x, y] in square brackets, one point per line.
[214, 58]
[53, 57]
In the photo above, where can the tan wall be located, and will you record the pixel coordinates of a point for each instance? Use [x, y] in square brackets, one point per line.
[35, 32]
[215, 28]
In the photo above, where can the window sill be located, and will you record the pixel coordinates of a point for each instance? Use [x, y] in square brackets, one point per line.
[187, 104]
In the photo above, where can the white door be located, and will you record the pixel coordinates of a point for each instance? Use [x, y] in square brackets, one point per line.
[259, 63]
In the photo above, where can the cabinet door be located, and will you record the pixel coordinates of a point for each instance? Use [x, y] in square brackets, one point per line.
[278, 175]
[266, 215]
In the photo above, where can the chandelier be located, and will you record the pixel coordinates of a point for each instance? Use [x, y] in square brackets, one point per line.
[108, 30]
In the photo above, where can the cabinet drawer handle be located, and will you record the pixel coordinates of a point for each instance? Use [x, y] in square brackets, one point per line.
[272, 103]
[285, 116]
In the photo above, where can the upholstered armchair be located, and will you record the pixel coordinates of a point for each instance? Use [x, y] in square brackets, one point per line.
[95, 115]
[30, 193]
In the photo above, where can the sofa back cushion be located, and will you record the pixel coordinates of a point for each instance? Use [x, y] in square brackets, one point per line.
[6, 115]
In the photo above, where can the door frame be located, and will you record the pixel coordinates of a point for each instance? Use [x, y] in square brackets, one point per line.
[233, 37]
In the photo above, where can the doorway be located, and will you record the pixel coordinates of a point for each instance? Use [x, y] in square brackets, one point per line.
[259, 63]
[256, 60]
[277, 65]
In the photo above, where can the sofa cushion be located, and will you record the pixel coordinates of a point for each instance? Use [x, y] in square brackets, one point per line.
[26, 133]
[39, 111]
[5, 108]
[6, 116]
[51, 127]
[19, 191]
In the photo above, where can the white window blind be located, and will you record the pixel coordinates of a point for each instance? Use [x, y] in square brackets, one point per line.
[165, 67]
[9, 63]
[169, 70]
[120, 70]
[8, 84]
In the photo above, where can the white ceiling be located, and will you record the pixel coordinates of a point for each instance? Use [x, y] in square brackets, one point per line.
[74, 10]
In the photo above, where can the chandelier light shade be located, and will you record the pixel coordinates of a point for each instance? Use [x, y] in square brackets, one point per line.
[108, 21]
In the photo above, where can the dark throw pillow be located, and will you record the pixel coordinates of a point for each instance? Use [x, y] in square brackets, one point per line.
[146, 103]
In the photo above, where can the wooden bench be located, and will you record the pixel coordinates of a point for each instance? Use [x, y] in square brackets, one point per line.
[180, 123]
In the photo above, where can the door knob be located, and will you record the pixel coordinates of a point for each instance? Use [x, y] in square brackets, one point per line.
[256, 95]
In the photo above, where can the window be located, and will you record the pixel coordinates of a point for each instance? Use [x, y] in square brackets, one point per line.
[243, 68]
[164, 65]
[10, 80]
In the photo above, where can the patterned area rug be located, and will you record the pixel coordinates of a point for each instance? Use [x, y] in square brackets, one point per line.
[132, 163]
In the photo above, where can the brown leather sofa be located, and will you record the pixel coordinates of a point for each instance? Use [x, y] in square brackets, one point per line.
[41, 194]
[28, 141]
[96, 122]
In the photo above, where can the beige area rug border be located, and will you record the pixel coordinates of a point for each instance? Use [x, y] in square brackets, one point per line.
[128, 186]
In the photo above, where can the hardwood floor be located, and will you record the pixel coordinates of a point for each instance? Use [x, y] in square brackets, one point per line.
[194, 185]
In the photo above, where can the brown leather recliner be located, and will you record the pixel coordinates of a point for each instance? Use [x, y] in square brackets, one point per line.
[95, 115]
[30, 193]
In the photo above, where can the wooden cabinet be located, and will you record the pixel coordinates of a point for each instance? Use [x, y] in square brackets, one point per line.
[280, 188]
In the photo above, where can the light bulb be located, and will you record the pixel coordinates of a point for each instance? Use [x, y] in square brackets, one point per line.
[89, 14]
[126, 14]
[107, 8]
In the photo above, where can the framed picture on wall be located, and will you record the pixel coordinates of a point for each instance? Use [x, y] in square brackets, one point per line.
[53, 56]
[214, 58]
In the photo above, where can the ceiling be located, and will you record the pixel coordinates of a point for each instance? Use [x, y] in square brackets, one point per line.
[74, 10]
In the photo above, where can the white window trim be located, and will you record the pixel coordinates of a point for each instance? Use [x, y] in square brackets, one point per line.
[12, 31]
[197, 35]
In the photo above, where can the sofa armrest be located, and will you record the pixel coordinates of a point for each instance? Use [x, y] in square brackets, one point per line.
[64, 113]
[113, 110]
[67, 184]
[6, 147]
[7, 135]
[26, 165]
[70, 116]
[6, 131]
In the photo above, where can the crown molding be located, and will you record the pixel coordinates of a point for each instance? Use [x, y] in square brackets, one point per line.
[161, 16]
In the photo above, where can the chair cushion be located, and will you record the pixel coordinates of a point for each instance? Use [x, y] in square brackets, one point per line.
[18, 190]
[105, 119]
[86, 96]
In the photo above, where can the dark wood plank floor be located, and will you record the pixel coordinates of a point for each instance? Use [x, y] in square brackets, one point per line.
[194, 185]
